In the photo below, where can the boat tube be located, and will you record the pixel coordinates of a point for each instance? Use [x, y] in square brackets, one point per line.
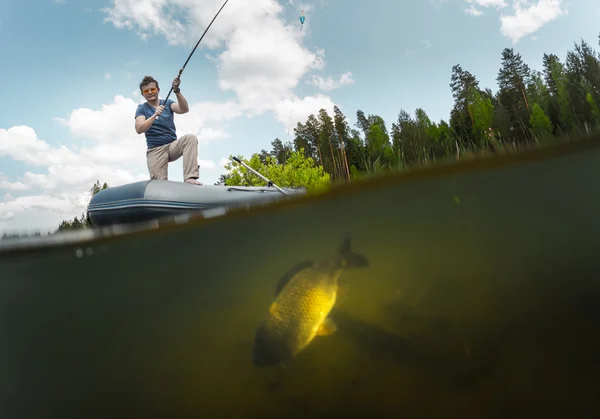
[155, 199]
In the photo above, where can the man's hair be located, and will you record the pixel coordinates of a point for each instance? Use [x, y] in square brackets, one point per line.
[148, 80]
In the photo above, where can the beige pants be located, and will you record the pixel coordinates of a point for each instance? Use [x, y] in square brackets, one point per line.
[158, 158]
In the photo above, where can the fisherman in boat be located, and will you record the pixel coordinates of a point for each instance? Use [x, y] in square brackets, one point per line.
[156, 121]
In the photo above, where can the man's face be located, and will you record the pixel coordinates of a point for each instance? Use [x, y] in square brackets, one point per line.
[150, 91]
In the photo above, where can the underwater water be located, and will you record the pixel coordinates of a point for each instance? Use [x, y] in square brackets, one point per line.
[481, 299]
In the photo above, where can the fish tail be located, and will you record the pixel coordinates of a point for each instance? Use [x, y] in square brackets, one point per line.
[351, 259]
[265, 352]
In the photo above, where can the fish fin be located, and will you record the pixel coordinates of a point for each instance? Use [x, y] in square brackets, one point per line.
[291, 272]
[328, 327]
[354, 260]
[265, 353]
[346, 245]
[351, 259]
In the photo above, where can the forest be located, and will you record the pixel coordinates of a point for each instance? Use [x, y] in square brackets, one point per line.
[529, 109]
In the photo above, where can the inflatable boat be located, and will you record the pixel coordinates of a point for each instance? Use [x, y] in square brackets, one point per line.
[154, 199]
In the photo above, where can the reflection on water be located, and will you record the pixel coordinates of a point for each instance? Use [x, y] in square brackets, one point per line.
[484, 306]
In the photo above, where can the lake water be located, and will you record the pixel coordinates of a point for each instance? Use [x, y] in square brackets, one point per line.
[481, 300]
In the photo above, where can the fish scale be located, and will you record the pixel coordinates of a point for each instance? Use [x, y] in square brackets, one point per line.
[299, 311]
[305, 296]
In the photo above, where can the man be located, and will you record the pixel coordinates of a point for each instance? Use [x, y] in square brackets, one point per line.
[156, 120]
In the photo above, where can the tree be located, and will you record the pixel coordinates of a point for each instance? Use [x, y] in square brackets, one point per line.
[513, 77]
[540, 123]
[299, 171]
[342, 131]
[482, 114]
[97, 188]
[84, 220]
[328, 141]
[463, 84]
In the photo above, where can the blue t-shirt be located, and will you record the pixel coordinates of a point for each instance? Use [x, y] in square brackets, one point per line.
[162, 130]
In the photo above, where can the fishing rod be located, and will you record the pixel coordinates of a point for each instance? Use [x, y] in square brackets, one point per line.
[269, 182]
[197, 43]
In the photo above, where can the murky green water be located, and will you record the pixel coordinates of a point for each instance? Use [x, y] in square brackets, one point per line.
[483, 306]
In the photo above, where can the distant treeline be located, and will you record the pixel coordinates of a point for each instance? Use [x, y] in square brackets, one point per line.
[75, 224]
[529, 109]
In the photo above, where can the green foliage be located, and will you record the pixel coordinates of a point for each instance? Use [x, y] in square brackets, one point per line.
[74, 224]
[298, 171]
[83, 221]
[97, 188]
[482, 110]
[540, 123]
[11, 236]
[529, 105]
[595, 112]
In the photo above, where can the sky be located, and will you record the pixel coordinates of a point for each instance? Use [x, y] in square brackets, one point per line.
[71, 72]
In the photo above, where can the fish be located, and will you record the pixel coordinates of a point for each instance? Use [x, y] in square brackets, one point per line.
[304, 298]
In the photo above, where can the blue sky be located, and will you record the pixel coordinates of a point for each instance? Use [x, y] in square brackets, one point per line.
[64, 64]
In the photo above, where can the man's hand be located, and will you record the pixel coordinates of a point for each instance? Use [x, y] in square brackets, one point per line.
[159, 110]
[175, 84]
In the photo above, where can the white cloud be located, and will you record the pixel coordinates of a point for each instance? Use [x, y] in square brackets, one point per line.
[260, 54]
[526, 18]
[425, 43]
[107, 76]
[529, 17]
[262, 76]
[111, 128]
[293, 110]
[201, 114]
[12, 186]
[473, 11]
[488, 3]
[65, 169]
[109, 149]
[329, 83]
[40, 212]
[301, 6]
[21, 143]
[475, 6]
[260, 57]
[207, 164]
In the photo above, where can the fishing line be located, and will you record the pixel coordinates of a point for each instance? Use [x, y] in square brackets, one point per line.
[198, 43]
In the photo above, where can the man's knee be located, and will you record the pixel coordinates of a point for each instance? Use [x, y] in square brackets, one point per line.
[190, 139]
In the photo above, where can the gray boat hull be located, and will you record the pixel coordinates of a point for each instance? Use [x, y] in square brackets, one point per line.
[155, 199]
